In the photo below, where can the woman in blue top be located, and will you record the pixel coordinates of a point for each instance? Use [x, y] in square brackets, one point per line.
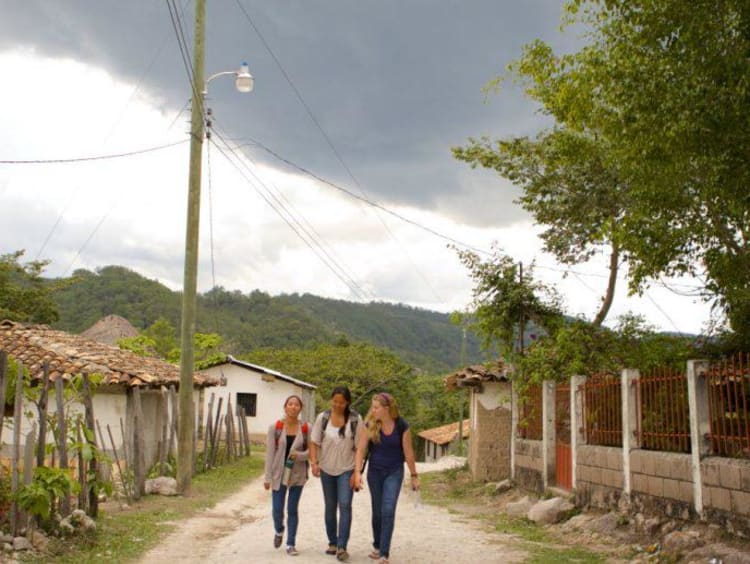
[389, 441]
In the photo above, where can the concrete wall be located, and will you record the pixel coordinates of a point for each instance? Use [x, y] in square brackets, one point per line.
[662, 482]
[726, 492]
[529, 461]
[271, 393]
[490, 436]
[599, 476]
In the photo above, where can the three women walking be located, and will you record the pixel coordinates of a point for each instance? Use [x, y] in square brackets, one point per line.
[338, 449]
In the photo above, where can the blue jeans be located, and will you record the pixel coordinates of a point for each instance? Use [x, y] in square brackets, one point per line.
[292, 519]
[337, 494]
[385, 485]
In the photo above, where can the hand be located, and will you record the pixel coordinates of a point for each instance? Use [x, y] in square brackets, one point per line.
[293, 455]
[415, 482]
[267, 485]
[356, 482]
[315, 469]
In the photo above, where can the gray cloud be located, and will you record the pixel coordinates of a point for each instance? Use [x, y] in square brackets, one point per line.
[394, 84]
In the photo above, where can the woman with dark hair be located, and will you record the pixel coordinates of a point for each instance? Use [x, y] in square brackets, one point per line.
[388, 440]
[286, 470]
[332, 450]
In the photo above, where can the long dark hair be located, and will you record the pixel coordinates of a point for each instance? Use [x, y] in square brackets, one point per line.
[344, 391]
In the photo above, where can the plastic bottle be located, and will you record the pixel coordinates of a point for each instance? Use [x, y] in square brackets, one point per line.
[287, 471]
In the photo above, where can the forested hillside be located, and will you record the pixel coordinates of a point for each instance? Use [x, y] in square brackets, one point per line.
[424, 339]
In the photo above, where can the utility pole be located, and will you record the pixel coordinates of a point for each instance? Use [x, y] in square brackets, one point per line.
[461, 398]
[186, 423]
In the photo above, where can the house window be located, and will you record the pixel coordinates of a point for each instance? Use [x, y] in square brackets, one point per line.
[248, 401]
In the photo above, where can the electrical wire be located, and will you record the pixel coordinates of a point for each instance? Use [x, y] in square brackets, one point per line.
[329, 141]
[283, 212]
[93, 158]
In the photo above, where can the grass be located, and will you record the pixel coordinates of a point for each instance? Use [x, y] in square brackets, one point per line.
[456, 491]
[124, 534]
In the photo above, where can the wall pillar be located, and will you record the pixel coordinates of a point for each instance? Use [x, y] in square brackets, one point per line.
[577, 436]
[700, 425]
[513, 429]
[548, 432]
[630, 438]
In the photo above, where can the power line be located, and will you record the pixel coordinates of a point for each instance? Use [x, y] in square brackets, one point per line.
[288, 217]
[93, 158]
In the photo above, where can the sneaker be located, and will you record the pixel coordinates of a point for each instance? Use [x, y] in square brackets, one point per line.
[291, 551]
[342, 555]
[331, 549]
[277, 539]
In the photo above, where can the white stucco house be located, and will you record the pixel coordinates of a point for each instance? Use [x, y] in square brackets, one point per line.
[260, 390]
[121, 372]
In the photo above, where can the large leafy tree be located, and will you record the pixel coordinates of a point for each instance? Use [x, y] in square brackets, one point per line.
[667, 84]
[569, 188]
[24, 295]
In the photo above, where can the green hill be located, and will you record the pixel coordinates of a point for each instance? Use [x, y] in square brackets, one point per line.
[423, 338]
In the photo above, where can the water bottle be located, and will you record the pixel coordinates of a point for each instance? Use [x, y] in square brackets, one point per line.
[417, 499]
[287, 471]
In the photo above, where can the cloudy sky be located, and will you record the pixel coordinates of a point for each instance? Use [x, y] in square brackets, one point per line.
[367, 96]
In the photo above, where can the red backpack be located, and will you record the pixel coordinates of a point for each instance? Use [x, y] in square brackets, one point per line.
[280, 427]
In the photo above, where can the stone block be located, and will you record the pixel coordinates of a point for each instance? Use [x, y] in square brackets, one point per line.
[710, 472]
[720, 499]
[649, 466]
[638, 482]
[680, 468]
[614, 459]
[745, 478]
[671, 488]
[655, 486]
[740, 502]
[636, 461]
[729, 476]
[706, 495]
[686, 492]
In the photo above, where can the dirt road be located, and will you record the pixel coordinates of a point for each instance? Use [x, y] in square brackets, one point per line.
[240, 529]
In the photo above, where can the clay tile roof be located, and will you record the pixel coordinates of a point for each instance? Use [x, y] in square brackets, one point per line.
[70, 354]
[445, 433]
[476, 374]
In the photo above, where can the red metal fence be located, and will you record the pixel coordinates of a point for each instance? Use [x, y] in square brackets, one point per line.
[663, 413]
[602, 410]
[728, 384]
[563, 454]
[530, 414]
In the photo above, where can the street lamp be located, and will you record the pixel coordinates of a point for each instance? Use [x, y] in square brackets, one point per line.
[186, 422]
[243, 80]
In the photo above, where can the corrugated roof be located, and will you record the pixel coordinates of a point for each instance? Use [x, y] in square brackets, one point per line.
[70, 354]
[445, 433]
[257, 368]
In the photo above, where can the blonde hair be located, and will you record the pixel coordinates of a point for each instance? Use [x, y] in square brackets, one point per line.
[373, 425]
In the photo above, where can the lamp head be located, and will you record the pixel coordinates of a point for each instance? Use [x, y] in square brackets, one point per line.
[244, 80]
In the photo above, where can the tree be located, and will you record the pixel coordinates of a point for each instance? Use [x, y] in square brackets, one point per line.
[503, 301]
[665, 83]
[568, 187]
[24, 295]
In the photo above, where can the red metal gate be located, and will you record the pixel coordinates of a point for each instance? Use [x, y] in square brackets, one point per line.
[563, 454]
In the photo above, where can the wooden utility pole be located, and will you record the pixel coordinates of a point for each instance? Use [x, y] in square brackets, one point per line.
[186, 418]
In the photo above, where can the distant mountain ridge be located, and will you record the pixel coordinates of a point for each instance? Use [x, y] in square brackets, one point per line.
[425, 339]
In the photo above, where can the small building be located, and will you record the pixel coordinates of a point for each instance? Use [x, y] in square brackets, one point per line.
[438, 440]
[120, 371]
[260, 390]
[110, 329]
[490, 416]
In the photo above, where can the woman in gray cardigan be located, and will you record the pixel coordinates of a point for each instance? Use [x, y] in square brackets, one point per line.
[286, 442]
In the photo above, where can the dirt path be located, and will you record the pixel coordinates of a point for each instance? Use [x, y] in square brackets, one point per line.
[239, 529]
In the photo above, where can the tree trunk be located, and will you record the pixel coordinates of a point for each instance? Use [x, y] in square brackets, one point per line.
[614, 260]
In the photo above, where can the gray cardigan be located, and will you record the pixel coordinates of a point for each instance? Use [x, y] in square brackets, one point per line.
[275, 458]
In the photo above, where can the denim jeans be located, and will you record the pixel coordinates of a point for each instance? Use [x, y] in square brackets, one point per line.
[385, 485]
[292, 519]
[337, 494]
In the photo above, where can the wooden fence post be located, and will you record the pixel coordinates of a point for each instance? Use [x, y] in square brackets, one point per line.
[62, 438]
[42, 408]
[16, 455]
[139, 446]
[88, 405]
[3, 380]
